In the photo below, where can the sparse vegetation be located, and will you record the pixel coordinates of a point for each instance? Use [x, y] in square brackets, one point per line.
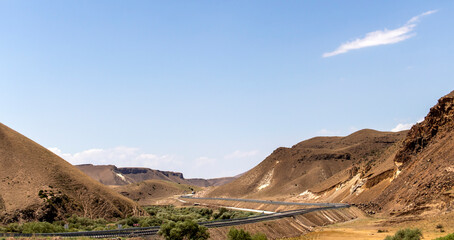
[406, 234]
[158, 215]
[235, 234]
[183, 230]
[194, 213]
[447, 237]
[41, 227]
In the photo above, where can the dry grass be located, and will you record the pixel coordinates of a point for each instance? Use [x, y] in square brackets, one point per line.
[378, 228]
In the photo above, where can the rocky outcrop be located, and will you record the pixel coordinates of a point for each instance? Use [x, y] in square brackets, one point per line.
[425, 175]
[439, 120]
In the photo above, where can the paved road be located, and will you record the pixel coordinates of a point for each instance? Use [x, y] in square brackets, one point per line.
[269, 201]
[133, 232]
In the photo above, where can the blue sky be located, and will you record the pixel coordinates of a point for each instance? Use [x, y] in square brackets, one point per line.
[210, 88]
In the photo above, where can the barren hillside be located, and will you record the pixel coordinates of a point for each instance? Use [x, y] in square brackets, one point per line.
[37, 184]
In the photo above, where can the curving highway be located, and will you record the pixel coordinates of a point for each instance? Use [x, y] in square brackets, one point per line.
[268, 201]
[135, 232]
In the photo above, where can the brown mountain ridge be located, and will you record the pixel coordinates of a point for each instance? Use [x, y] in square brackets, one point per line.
[316, 166]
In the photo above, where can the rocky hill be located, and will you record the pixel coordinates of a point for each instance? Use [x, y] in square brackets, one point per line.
[36, 184]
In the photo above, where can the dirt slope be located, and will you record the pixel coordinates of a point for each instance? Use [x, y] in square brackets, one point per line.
[37, 184]
[111, 175]
[316, 166]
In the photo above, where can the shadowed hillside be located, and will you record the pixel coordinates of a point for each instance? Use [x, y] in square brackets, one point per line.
[36, 184]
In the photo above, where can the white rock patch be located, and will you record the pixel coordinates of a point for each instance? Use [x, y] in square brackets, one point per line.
[121, 176]
[266, 181]
[309, 195]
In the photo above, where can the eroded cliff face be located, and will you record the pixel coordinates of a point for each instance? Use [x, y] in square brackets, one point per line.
[439, 121]
[425, 165]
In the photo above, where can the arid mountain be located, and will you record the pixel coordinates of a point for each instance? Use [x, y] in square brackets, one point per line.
[36, 184]
[152, 191]
[398, 173]
[317, 165]
[111, 175]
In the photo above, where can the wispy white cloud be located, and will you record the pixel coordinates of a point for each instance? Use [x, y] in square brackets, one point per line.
[241, 154]
[326, 132]
[381, 37]
[405, 126]
[204, 161]
[121, 157]
[402, 126]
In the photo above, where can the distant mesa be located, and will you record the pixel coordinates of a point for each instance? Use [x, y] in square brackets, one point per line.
[111, 175]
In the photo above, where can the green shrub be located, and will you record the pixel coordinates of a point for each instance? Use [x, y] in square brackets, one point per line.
[259, 236]
[406, 234]
[447, 237]
[150, 222]
[41, 227]
[183, 230]
[13, 227]
[235, 234]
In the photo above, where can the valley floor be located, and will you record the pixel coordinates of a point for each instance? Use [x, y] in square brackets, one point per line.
[378, 228]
